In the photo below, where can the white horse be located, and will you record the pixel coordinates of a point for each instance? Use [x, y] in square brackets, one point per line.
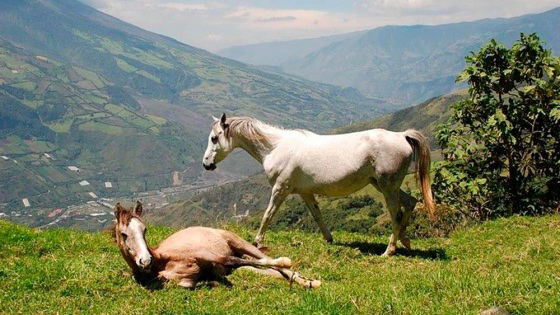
[302, 162]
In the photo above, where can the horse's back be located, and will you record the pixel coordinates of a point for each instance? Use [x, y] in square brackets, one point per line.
[340, 164]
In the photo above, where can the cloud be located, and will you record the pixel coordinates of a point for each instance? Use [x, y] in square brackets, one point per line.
[214, 37]
[277, 19]
[217, 24]
[183, 6]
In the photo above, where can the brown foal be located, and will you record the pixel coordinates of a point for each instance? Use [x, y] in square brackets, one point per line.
[194, 254]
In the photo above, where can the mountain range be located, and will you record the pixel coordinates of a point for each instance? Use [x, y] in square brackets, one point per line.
[403, 64]
[126, 106]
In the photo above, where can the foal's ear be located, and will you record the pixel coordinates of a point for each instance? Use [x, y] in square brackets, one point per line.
[223, 121]
[138, 208]
[118, 210]
[215, 119]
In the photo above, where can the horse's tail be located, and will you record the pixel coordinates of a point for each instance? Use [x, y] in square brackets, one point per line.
[422, 155]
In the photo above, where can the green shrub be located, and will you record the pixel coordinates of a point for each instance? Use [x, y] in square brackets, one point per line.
[501, 147]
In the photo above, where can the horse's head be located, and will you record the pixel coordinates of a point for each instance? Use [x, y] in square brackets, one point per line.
[130, 235]
[219, 144]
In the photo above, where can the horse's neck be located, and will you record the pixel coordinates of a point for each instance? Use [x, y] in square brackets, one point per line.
[257, 151]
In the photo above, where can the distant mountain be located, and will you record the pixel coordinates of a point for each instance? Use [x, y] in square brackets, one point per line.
[280, 53]
[404, 64]
[126, 105]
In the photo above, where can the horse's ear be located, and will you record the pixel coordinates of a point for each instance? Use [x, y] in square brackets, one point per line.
[215, 119]
[223, 121]
[118, 210]
[138, 208]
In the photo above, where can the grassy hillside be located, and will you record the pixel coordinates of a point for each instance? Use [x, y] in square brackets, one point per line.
[157, 68]
[126, 105]
[510, 262]
[77, 117]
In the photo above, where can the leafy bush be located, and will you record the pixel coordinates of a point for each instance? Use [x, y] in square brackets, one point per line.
[501, 147]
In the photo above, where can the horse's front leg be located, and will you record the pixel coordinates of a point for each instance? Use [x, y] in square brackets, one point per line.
[313, 207]
[279, 194]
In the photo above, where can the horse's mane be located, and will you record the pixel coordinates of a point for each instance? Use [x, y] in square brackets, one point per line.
[254, 130]
[250, 129]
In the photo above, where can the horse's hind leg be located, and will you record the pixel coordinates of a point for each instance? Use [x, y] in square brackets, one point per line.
[313, 207]
[408, 204]
[392, 199]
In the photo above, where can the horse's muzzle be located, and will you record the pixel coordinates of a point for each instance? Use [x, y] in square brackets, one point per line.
[209, 167]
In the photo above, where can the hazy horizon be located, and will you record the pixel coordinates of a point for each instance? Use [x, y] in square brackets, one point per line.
[216, 25]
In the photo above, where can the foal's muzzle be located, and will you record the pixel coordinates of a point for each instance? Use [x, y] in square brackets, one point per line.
[145, 265]
[209, 167]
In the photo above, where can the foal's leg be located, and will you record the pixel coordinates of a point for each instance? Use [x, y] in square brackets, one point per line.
[408, 203]
[393, 204]
[313, 206]
[287, 275]
[236, 262]
[279, 194]
[242, 247]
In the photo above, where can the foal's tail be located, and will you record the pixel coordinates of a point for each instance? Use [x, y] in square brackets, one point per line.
[422, 156]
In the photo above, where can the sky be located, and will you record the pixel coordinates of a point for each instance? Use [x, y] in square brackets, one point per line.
[214, 25]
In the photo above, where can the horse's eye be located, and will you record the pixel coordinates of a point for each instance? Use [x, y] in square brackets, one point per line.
[214, 139]
[124, 236]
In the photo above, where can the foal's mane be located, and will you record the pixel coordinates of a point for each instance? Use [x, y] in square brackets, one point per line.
[123, 215]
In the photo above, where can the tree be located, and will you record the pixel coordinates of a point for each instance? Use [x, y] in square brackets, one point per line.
[501, 147]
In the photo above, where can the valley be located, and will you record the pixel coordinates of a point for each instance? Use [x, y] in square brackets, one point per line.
[129, 107]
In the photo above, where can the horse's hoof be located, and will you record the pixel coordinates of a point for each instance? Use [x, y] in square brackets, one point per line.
[406, 243]
[389, 253]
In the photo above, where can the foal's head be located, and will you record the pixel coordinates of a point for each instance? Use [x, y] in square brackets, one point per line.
[130, 235]
[219, 144]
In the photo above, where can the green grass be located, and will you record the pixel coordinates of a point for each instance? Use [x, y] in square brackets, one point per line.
[62, 125]
[508, 262]
[105, 128]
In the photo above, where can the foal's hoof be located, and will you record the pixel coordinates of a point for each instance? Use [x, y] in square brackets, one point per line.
[314, 284]
[284, 262]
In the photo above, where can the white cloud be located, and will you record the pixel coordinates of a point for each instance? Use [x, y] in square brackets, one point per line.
[218, 24]
[183, 6]
[214, 37]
